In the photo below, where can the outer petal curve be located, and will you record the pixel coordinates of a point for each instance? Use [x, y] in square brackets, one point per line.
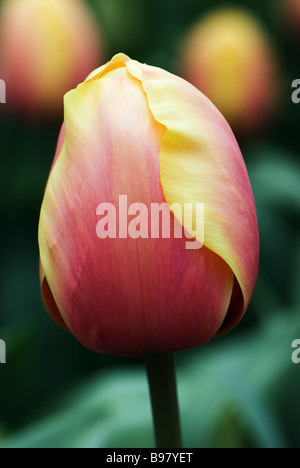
[200, 162]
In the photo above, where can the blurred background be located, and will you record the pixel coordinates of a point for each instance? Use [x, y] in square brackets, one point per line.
[241, 390]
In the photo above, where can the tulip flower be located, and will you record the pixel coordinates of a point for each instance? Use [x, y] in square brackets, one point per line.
[47, 48]
[227, 56]
[138, 136]
[291, 12]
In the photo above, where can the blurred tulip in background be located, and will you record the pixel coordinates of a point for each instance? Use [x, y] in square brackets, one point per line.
[137, 130]
[47, 47]
[228, 56]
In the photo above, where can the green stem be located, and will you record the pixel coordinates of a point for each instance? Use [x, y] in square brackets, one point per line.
[163, 389]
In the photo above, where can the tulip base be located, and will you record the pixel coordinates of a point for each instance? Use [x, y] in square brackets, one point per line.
[161, 373]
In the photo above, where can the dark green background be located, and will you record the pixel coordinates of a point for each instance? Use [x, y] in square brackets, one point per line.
[241, 390]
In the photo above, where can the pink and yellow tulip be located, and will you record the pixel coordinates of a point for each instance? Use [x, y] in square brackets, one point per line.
[47, 48]
[137, 130]
[227, 56]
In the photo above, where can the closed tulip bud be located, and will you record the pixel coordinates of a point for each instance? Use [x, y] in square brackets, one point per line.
[47, 48]
[136, 140]
[227, 56]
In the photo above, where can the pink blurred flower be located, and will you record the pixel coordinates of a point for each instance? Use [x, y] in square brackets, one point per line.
[137, 130]
[47, 47]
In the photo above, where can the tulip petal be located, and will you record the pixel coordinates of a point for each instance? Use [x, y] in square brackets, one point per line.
[47, 296]
[200, 161]
[125, 296]
[60, 142]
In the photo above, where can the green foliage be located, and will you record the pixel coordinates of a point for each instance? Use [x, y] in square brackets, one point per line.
[229, 394]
